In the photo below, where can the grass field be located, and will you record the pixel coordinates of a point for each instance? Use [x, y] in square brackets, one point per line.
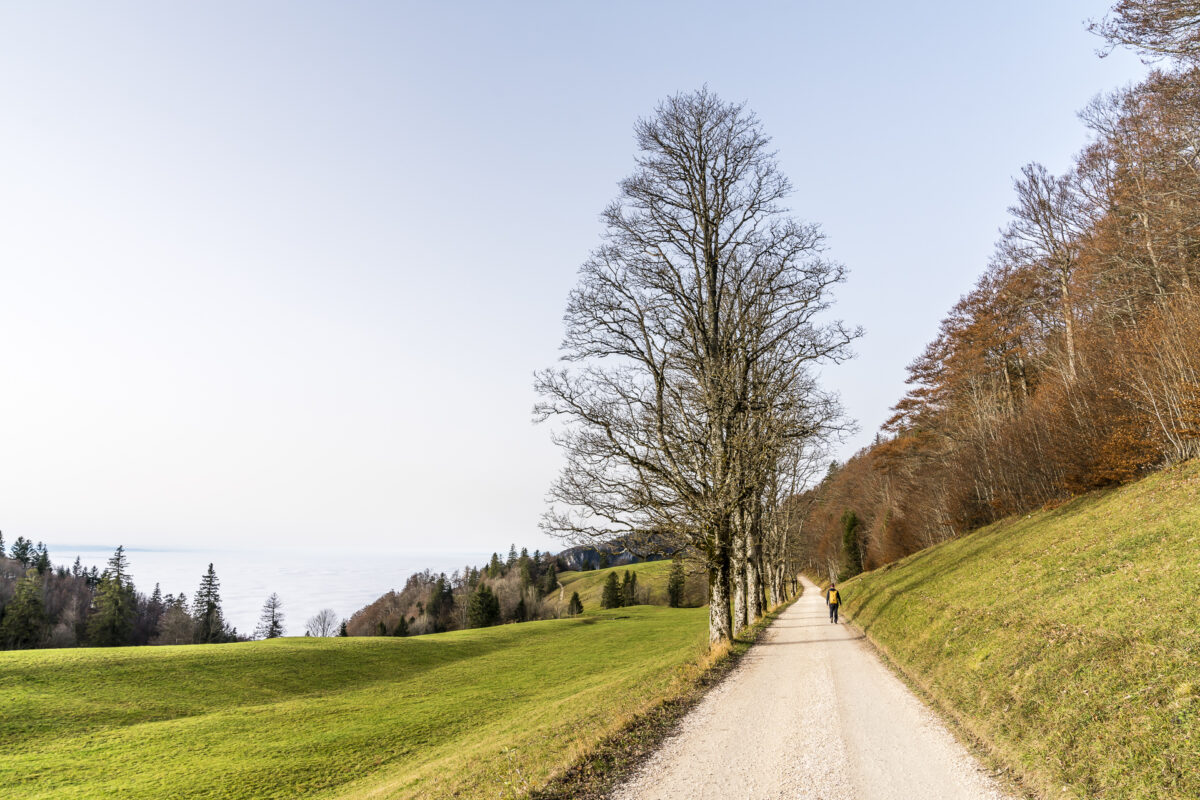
[652, 578]
[1067, 639]
[480, 713]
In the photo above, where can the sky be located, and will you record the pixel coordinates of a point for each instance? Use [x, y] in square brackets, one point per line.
[279, 273]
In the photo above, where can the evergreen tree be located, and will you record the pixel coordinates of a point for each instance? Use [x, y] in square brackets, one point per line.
[512, 555]
[2, 544]
[521, 612]
[401, 627]
[604, 559]
[22, 551]
[550, 579]
[611, 597]
[24, 621]
[270, 623]
[629, 589]
[210, 624]
[484, 609]
[111, 623]
[575, 607]
[381, 628]
[494, 566]
[41, 558]
[676, 583]
[851, 546]
[342, 631]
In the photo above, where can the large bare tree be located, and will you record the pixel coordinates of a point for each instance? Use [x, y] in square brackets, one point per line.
[701, 281]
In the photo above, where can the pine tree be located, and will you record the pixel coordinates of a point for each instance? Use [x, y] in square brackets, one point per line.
[22, 551]
[483, 609]
[342, 630]
[41, 558]
[494, 566]
[1, 544]
[210, 624]
[381, 628]
[851, 547]
[521, 612]
[512, 555]
[401, 627]
[676, 583]
[270, 624]
[575, 607]
[611, 597]
[24, 621]
[604, 559]
[111, 623]
[550, 579]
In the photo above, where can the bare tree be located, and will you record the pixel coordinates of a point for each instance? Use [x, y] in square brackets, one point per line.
[1154, 28]
[701, 279]
[324, 623]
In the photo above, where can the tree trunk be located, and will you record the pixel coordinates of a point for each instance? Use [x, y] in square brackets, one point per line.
[741, 602]
[720, 622]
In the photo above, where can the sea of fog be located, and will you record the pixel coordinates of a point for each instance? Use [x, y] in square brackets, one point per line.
[306, 580]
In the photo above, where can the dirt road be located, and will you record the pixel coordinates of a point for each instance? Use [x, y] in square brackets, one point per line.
[811, 714]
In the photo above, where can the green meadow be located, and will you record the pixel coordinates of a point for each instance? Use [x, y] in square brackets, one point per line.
[652, 578]
[1068, 640]
[479, 713]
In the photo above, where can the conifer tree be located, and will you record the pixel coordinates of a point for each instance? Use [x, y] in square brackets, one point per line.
[550, 579]
[676, 583]
[1, 544]
[851, 547]
[24, 621]
[401, 627]
[270, 624]
[22, 551]
[111, 623]
[342, 631]
[210, 624]
[575, 607]
[521, 612]
[381, 628]
[611, 597]
[512, 555]
[603, 559]
[484, 608]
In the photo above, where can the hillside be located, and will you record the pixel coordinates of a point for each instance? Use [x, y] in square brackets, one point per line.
[652, 584]
[431, 716]
[1068, 639]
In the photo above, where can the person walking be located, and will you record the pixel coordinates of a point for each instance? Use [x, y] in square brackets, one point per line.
[834, 598]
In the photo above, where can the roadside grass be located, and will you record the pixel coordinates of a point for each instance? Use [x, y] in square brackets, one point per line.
[617, 756]
[1067, 640]
[491, 713]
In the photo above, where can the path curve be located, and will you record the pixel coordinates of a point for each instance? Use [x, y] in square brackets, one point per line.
[811, 714]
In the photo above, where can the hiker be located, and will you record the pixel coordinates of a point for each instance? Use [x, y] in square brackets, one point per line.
[834, 599]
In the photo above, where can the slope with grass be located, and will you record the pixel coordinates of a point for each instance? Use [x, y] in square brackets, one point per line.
[1067, 640]
[652, 583]
[472, 713]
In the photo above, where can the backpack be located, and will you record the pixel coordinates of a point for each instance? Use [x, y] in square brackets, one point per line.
[834, 598]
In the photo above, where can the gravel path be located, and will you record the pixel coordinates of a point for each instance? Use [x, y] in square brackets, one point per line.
[811, 714]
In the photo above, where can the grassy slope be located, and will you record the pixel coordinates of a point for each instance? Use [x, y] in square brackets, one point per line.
[652, 575]
[420, 717]
[1068, 639]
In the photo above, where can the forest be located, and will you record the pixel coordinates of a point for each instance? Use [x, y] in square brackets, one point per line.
[43, 605]
[1074, 362]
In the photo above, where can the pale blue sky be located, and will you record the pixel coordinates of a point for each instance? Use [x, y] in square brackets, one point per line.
[281, 272]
